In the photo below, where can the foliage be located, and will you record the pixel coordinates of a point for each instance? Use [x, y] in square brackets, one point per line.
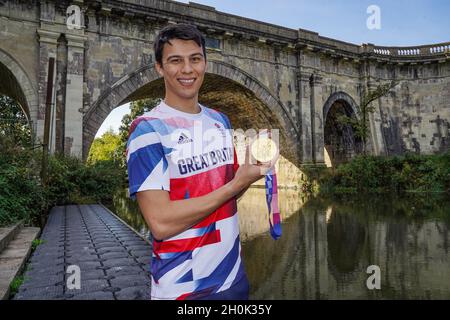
[70, 181]
[21, 195]
[19, 279]
[15, 285]
[105, 148]
[361, 124]
[111, 146]
[13, 121]
[36, 242]
[411, 172]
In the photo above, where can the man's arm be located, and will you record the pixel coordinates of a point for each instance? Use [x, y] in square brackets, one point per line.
[167, 218]
[240, 194]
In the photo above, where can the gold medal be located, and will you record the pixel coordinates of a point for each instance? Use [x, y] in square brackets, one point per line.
[263, 149]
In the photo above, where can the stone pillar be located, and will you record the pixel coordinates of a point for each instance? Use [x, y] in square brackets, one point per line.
[47, 48]
[73, 134]
[377, 145]
[60, 101]
[317, 120]
[305, 118]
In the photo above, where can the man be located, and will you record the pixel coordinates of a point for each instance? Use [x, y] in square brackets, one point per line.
[184, 173]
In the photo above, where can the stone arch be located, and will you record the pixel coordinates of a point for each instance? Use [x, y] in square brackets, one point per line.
[16, 84]
[350, 104]
[340, 142]
[124, 91]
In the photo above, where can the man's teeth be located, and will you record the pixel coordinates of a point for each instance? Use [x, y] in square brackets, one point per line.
[186, 81]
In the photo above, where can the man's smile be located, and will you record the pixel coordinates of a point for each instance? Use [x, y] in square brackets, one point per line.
[186, 82]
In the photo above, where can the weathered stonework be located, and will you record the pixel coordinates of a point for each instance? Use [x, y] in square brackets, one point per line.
[261, 75]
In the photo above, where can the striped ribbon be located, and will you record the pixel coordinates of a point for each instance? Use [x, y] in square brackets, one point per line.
[272, 204]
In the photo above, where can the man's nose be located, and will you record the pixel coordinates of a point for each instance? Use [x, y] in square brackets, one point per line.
[187, 67]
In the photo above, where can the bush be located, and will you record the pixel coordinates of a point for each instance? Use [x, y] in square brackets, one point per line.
[70, 181]
[21, 196]
[411, 172]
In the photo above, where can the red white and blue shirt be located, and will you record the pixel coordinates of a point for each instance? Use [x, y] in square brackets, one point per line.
[189, 155]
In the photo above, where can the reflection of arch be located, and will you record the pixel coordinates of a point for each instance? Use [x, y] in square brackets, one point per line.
[346, 242]
[121, 91]
[341, 143]
[16, 84]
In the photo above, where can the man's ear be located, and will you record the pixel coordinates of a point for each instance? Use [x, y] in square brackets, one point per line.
[159, 69]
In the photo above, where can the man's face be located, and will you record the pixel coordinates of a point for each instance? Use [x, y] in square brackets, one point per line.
[183, 68]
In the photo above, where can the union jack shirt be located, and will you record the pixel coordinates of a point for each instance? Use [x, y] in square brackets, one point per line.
[188, 155]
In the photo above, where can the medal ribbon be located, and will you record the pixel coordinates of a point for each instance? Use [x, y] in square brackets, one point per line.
[272, 204]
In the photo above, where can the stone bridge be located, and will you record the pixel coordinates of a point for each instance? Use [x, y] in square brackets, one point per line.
[261, 75]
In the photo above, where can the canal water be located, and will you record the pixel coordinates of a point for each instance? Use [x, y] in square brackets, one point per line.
[328, 245]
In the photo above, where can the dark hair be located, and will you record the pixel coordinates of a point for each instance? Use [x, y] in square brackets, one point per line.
[181, 31]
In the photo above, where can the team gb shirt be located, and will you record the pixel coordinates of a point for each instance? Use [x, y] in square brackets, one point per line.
[188, 155]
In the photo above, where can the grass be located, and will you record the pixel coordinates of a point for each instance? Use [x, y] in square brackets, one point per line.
[36, 243]
[19, 280]
[15, 284]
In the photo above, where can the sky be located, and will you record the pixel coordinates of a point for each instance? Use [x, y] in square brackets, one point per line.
[401, 23]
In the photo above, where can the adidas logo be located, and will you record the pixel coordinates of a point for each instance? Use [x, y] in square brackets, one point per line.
[222, 130]
[184, 139]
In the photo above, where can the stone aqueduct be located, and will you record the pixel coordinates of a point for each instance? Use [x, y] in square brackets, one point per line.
[259, 74]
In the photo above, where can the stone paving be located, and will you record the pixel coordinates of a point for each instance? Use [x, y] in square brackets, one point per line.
[114, 261]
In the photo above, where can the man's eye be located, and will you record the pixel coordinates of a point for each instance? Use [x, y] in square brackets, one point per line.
[196, 59]
[175, 60]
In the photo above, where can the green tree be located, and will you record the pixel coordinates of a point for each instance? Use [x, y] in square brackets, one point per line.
[14, 125]
[361, 124]
[105, 148]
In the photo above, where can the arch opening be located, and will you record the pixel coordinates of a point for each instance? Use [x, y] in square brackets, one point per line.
[341, 141]
[15, 84]
[225, 89]
[246, 108]
[242, 107]
[15, 119]
[10, 87]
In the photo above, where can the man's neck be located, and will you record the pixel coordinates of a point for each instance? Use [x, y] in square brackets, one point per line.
[188, 106]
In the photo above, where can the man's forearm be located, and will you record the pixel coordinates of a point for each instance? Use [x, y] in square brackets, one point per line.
[179, 215]
[240, 194]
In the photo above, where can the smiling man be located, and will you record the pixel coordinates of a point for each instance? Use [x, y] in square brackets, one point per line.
[184, 173]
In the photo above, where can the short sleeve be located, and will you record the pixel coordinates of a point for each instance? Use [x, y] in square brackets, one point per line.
[146, 161]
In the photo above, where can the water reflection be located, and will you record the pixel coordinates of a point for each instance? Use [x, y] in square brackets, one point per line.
[128, 210]
[253, 212]
[327, 245]
[326, 249]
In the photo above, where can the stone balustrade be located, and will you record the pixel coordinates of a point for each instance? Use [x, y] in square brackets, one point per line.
[426, 50]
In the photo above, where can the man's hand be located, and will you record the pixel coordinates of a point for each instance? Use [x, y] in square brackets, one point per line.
[249, 173]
